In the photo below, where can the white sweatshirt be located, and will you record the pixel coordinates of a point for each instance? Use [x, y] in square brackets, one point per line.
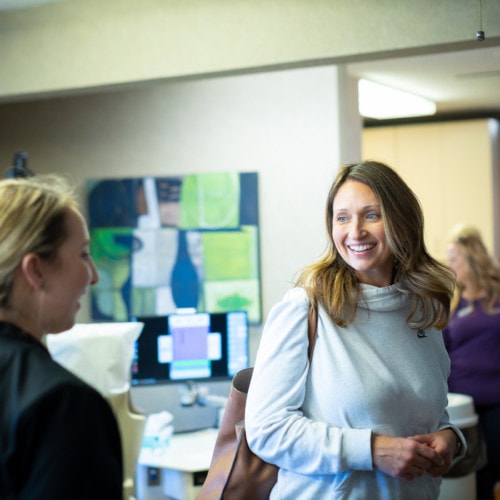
[315, 421]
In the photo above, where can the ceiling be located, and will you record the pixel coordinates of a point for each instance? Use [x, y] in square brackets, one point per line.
[465, 81]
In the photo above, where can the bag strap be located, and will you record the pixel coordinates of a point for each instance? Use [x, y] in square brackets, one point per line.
[312, 327]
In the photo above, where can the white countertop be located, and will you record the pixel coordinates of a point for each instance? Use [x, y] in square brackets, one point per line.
[186, 451]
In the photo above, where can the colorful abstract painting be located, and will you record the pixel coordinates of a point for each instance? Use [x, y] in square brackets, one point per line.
[162, 244]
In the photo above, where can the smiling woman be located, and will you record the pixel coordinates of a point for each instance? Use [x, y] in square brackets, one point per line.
[381, 430]
[359, 234]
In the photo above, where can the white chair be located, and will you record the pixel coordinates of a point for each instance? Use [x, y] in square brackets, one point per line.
[101, 355]
[131, 426]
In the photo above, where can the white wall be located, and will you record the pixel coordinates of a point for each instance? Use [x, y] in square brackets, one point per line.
[284, 125]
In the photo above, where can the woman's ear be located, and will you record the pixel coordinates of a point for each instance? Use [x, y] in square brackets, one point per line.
[31, 269]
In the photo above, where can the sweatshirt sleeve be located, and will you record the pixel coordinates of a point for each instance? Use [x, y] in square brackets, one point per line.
[445, 424]
[277, 428]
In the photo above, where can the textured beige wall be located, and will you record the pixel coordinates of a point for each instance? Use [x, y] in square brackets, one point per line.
[81, 44]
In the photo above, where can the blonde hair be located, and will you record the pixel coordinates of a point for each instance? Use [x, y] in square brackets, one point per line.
[333, 283]
[484, 270]
[32, 215]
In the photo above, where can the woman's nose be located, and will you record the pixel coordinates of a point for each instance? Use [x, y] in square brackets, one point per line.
[94, 273]
[357, 227]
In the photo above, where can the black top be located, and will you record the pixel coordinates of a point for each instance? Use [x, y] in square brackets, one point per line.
[58, 436]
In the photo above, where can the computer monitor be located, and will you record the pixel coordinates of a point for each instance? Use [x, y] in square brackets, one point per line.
[198, 346]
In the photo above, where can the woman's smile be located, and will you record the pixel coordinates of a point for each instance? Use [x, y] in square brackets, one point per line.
[358, 233]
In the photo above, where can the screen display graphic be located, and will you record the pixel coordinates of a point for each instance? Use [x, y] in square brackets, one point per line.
[194, 346]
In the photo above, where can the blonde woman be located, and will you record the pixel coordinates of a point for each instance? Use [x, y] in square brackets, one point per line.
[58, 436]
[472, 339]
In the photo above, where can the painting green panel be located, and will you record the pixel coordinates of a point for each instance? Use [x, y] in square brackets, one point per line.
[230, 255]
[143, 301]
[210, 201]
[233, 295]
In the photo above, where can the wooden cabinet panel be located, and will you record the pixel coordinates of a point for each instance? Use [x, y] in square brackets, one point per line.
[449, 167]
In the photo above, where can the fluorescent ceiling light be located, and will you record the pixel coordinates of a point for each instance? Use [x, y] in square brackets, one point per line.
[379, 101]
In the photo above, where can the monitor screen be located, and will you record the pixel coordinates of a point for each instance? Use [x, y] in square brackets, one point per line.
[192, 346]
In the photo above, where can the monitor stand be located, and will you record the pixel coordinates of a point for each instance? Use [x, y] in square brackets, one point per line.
[156, 398]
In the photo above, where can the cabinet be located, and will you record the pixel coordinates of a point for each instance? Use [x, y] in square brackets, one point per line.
[451, 168]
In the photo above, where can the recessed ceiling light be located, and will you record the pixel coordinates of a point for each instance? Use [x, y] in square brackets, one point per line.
[382, 102]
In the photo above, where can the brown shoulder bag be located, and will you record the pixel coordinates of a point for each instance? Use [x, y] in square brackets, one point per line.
[235, 472]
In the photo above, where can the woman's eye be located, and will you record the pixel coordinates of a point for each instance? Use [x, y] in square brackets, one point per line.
[373, 216]
[341, 218]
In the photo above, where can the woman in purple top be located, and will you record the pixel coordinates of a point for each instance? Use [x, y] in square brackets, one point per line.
[472, 339]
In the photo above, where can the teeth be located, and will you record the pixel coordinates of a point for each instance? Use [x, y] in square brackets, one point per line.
[361, 248]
